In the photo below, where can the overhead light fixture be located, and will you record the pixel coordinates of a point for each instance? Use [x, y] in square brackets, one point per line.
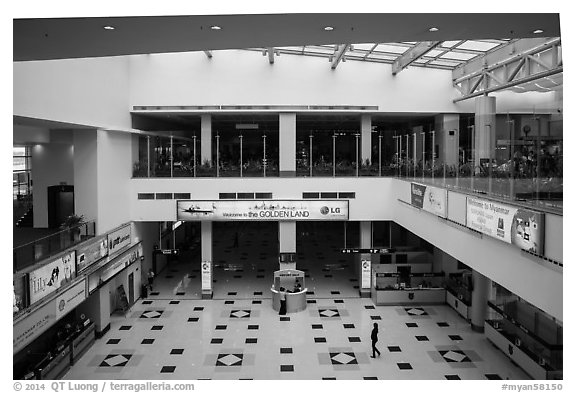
[109, 27]
[538, 31]
[433, 29]
[215, 27]
[328, 28]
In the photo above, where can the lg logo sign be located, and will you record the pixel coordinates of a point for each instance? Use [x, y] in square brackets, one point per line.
[332, 210]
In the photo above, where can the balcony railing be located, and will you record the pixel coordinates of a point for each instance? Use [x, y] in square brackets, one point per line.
[38, 250]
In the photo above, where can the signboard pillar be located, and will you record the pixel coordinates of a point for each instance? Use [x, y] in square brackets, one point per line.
[364, 260]
[287, 241]
[485, 129]
[206, 258]
[366, 137]
[205, 138]
[480, 291]
[287, 142]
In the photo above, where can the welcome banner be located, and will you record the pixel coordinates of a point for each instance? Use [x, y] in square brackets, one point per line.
[260, 210]
[430, 199]
[521, 227]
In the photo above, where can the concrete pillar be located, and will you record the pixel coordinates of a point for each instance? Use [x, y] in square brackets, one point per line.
[447, 137]
[366, 138]
[85, 174]
[287, 241]
[287, 144]
[480, 292]
[484, 128]
[206, 258]
[364, 260]
[52, 165]
[206, 138]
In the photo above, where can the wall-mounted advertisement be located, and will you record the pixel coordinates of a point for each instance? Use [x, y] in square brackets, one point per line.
[27, 329]
[521, 227]
[91, 253]
[47, 279]
[67, 301]
[430, 199]
[366, 264]
[262, 210]
[119, 239]
[114, 267]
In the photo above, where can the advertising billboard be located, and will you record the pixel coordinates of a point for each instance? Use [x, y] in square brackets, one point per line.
[48, 278]
[430, 199]
[119, 239]
[262, 210]
[521, 227]
[91, 253]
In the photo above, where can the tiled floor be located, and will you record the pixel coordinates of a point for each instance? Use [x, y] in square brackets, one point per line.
[175, 335]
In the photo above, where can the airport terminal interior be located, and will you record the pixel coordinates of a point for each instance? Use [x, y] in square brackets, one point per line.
[288, 196]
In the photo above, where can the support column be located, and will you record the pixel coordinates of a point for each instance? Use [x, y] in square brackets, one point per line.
[366, 138]
[447, 138]
[206, 138]
[364, 261]
[480, 291]
[484, 129]
[287, 142]
[287, 241]
[206, 258]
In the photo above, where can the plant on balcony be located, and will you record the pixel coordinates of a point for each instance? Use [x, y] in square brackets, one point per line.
[72, 225]
[206, 169]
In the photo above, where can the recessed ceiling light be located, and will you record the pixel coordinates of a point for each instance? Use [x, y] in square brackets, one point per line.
[433, 29]
[328, 28]
[109, 27]
[215, 27]
[538, 31]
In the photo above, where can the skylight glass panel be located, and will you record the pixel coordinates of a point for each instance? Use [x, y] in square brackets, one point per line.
[434, 53]
[478, 45]
[449, 44]
[391, 48]
[363, 46]
[458, 56]
[382, 56]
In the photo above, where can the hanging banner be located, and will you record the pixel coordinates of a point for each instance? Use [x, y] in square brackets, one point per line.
[521, 227]
[430, 199]
[206, 276]
[366, 272]
[259, 210]
[48, 278]
[119, 239]
[70, 299]
[91, 253]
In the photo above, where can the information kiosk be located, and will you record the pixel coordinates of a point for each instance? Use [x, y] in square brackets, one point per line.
[291, 282]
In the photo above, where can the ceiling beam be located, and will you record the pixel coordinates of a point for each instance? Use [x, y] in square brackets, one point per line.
[339, 55]
[413, 54]
[208, 53]
[270, 55]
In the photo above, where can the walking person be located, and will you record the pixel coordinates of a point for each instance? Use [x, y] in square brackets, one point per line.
[150, 278]
[374, 337]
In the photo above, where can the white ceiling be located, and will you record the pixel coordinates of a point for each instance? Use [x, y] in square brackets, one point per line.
[59, 38]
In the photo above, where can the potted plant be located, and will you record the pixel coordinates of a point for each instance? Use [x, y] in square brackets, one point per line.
[72, 224]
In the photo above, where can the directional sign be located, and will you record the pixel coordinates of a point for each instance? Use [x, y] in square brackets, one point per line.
[367, 250]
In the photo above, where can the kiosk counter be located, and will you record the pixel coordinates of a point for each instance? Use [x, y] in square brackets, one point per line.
[289, 282]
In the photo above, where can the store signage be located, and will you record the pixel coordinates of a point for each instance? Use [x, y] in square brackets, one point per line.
[260, 210]
[48, 278]
[34, 324]
[367, 250]
[430, 199]
[170, 252]
[206, 275]
[521, 227]
[70, 299]
[114, 266]
[366, 272]
[119, 239]
[91, 253]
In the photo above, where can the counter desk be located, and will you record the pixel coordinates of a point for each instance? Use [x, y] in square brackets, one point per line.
[295, 301]
[382, 297]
